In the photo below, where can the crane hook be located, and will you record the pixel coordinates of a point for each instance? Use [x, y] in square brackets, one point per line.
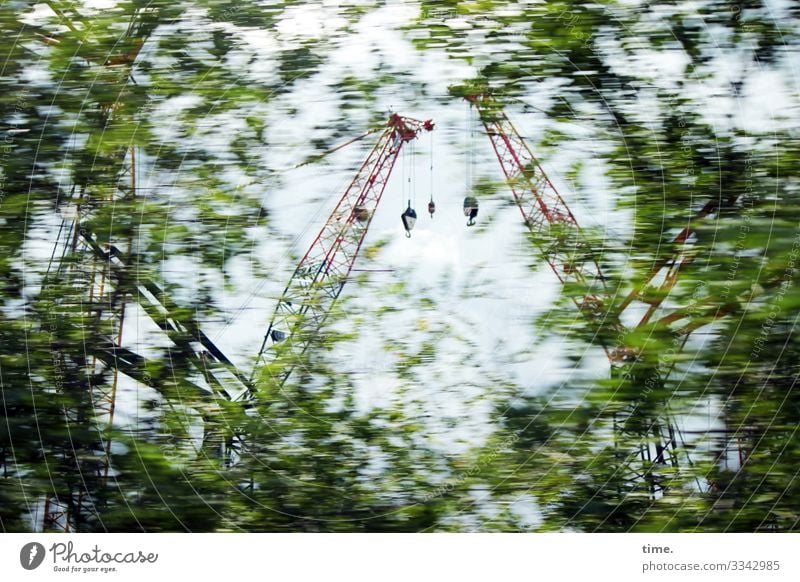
[409, 218]
[470, 209]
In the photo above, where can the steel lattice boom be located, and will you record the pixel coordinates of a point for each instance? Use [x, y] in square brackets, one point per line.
[546, 215]
[558, 236]
[96, 287]
[319, 277]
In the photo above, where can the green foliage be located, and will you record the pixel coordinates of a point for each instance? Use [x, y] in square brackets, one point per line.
[667, 162]
[80, 91]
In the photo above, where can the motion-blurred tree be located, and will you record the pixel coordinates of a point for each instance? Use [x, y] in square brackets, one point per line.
[175, 83]
[612, 68]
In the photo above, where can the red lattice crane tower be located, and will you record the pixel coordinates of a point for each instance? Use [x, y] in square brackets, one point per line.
[322, 272]
[555, 231]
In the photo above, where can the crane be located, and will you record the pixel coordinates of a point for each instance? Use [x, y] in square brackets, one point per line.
[91, 293]
[101, 283]
[322, 272]
[571, 257]
[88, 276]
[316, 283]
[100, 267]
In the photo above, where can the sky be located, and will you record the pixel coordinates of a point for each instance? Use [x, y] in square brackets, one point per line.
[485, 283]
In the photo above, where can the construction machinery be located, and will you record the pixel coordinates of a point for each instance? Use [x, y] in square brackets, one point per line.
[646, 422]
